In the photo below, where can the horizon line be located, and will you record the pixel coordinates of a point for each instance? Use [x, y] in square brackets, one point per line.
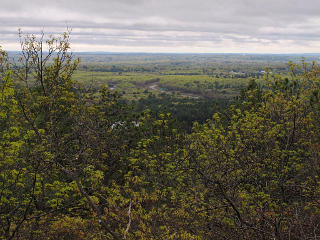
[180, 53]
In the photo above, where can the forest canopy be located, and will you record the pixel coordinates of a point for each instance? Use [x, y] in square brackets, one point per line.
[80, 163]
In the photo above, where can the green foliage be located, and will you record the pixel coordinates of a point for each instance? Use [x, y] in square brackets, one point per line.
[81, 163]
[186, 110]
[261, 169]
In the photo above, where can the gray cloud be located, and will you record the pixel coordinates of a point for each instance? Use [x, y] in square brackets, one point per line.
[169, 25]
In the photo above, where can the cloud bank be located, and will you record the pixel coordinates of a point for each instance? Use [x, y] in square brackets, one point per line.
[238, 26]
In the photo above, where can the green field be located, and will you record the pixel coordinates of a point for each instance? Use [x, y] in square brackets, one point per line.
[210, 76]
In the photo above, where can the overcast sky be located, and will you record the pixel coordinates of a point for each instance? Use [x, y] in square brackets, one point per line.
[206, 26]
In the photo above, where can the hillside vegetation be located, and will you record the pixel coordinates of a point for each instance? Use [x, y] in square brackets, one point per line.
[80, 162]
